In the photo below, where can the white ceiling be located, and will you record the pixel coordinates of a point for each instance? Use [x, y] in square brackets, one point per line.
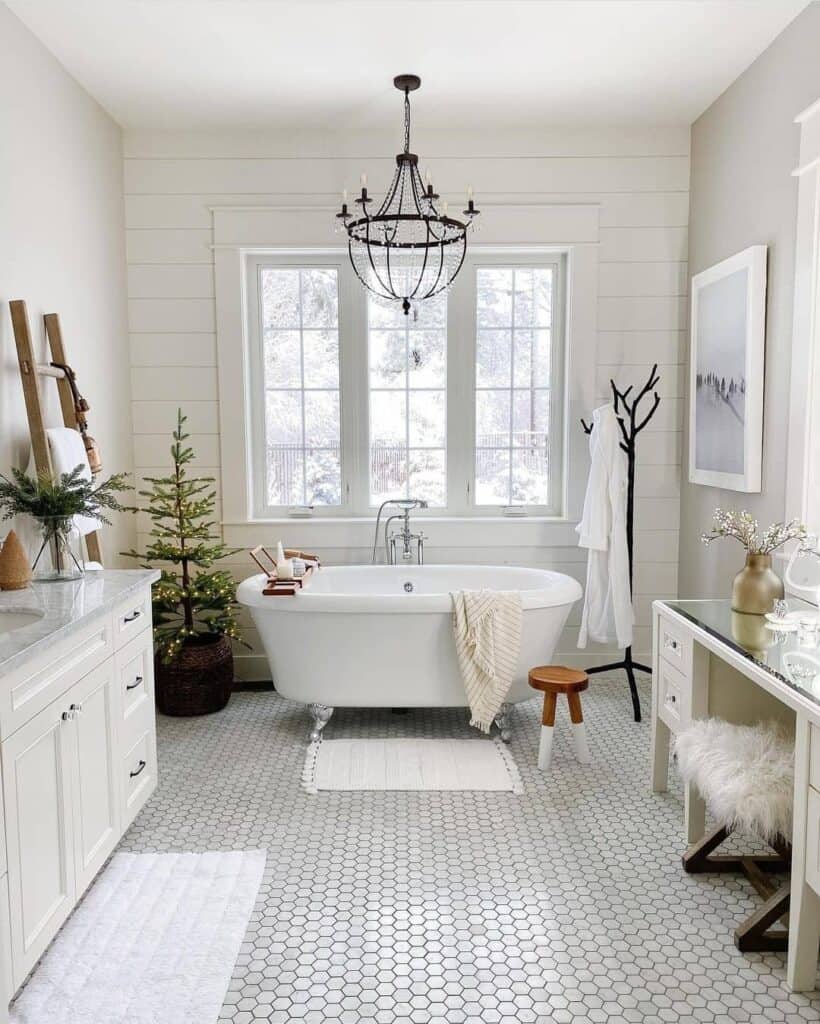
[199, 64]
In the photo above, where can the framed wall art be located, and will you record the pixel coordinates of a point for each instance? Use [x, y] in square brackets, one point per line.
[726, 364]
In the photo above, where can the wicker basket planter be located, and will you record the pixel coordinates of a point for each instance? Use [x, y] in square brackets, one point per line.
[198, 681]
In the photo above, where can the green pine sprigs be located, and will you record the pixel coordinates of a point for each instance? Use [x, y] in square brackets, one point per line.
[193, 599]
[59, 501]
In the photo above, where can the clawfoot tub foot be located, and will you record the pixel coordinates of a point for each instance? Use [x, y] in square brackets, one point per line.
[320, 713]
[504, 720]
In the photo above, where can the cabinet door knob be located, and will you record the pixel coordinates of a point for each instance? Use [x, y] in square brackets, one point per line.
[134, 615]
[67, 716]
[137, 772]
[76, 708]
[137, 682]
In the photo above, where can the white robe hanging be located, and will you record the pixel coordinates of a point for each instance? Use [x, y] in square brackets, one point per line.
[607, 615]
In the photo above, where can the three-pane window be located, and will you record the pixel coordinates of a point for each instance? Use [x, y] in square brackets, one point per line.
[352, 402]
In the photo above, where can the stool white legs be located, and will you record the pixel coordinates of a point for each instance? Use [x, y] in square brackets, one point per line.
[579, 733]
[579, 736]
[545, 748]
[547, 726]
[579, 730]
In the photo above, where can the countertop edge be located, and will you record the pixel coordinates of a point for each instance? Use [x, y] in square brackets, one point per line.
[14, 661]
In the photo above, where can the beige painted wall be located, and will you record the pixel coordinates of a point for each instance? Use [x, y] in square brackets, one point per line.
[744, 148]
[62, 247]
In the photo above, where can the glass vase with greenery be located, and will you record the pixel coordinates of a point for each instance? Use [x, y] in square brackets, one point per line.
[54, 504]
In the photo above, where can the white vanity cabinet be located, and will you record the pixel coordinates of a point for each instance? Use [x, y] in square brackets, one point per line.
[72, 720]
[37, 786]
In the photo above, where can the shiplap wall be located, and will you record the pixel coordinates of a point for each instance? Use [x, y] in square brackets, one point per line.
[641, 180]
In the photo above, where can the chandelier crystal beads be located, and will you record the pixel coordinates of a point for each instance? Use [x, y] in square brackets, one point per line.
[409, 248]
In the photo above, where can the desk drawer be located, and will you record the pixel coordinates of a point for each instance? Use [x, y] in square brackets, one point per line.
[674, 697]
[674, 645]
[814, 756]
[813, 841]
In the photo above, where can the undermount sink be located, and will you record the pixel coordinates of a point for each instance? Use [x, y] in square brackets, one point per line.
[12, 619]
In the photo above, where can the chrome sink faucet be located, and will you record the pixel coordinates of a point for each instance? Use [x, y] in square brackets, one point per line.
[401, 538]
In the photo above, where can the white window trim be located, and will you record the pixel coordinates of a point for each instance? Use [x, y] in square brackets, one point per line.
[460, 435]
[461, 331]
[350, 331]
[310, 231]
[803, 457]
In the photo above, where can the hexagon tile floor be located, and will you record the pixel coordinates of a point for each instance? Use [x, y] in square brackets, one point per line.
[565, 904]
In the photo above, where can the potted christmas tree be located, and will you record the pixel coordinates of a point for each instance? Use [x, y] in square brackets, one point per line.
[194, 604]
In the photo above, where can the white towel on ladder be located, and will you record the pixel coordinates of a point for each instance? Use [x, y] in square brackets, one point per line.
[487, 629]
[68, 452]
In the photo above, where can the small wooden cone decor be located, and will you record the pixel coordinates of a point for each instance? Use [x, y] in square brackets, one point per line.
[15, 571]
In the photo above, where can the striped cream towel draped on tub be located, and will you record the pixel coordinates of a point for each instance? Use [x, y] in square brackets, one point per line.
[487, 628]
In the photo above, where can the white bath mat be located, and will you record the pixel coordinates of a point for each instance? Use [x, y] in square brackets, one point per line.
[153, 942]
[411, 764]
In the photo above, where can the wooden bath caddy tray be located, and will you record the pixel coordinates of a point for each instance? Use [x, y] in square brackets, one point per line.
[284, 588]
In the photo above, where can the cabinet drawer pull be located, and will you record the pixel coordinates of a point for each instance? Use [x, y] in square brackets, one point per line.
[671, 698]
[137, 682]
[137, 772]
[133, 616]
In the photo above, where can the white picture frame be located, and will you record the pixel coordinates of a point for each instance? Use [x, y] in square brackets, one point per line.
[726, 369]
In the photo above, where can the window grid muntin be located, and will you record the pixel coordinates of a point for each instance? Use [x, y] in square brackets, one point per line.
[351, 331]
[406, 329]
[301, 390]
[512, 328]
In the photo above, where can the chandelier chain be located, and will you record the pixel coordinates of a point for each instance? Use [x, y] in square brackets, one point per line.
[406, 121]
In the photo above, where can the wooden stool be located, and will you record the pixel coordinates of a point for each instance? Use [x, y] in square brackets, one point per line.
[552, 680]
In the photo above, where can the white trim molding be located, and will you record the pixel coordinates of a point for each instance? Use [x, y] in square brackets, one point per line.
[803, 457]
[517, 229]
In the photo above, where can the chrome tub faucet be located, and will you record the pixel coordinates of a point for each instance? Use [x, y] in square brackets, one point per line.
[401, 540]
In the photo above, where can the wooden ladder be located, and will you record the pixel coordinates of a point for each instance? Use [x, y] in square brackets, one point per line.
[30, 373]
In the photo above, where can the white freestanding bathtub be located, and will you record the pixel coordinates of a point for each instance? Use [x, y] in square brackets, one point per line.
[381, 636]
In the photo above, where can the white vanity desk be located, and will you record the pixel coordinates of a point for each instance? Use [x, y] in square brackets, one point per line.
[710, 661]
[77, 748]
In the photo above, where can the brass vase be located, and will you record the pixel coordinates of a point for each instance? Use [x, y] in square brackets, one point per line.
[756, 587]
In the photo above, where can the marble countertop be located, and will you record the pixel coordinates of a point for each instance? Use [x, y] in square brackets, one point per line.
[62, 606]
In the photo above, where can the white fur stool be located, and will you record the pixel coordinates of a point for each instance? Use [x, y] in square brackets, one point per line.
[745, 775]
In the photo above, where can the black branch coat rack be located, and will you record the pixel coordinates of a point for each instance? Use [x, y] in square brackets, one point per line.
[632, 421]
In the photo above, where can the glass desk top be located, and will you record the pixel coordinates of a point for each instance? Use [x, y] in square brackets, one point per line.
[792, 657]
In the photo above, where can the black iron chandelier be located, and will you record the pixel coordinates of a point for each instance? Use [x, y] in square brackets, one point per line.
[409, 249]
